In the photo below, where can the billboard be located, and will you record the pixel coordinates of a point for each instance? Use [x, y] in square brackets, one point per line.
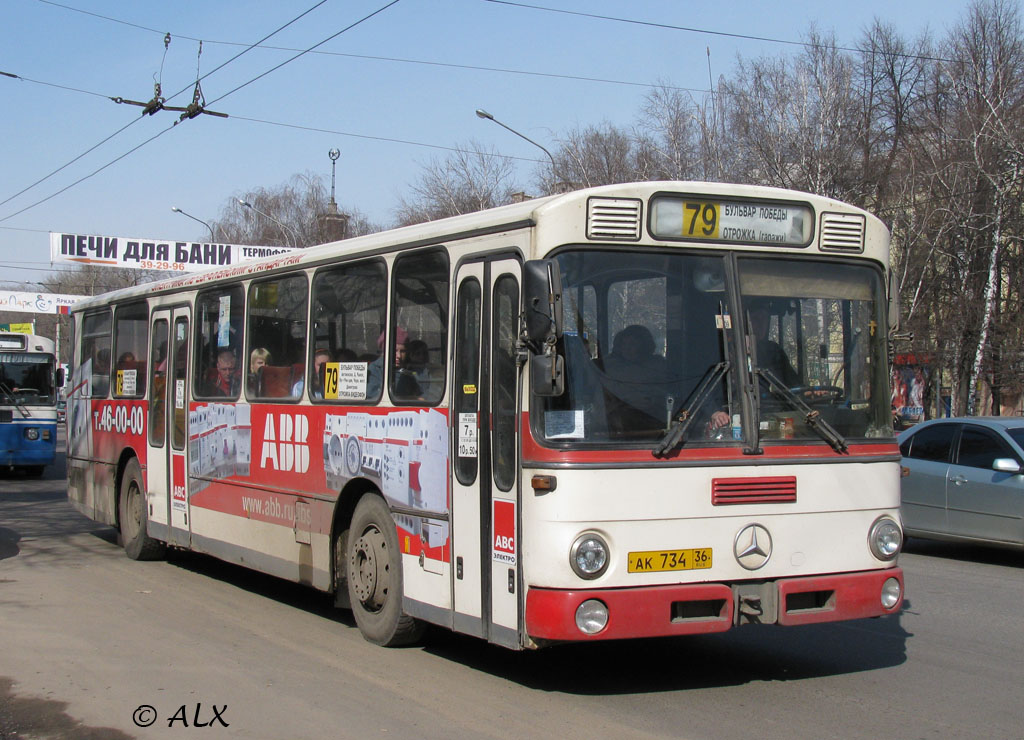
[152, 254]
[50, 303]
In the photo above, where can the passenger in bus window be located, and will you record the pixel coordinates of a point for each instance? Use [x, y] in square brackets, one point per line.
[316, 388]
[258, 358]
[225, 382]
[414, 375]
[375, 371]
[638, 376]
[126, 361]
[637, 396]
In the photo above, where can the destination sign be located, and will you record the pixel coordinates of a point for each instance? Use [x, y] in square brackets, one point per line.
[739, 222]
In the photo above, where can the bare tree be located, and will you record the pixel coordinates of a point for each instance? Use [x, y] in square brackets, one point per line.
[470, 179]
[599, 155]
[288, 215]
[795, 121]
[988, 86]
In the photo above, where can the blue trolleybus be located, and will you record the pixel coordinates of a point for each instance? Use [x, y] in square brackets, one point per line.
[28, 402]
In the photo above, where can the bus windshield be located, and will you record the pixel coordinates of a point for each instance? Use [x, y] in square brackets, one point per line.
[26, 379]
[818, 329]
[652, 336]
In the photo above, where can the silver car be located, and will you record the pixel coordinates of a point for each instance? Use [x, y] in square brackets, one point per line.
[963, 480]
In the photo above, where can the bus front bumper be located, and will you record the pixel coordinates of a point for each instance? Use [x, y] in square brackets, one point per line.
[702, 608]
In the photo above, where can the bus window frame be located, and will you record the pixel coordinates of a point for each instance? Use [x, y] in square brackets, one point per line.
[140, 379]
[244, 359]
[86, 336]
[389, 359]
[313, 345]
[198, 373]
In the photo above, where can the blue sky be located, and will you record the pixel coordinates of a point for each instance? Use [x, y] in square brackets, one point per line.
[429, 98]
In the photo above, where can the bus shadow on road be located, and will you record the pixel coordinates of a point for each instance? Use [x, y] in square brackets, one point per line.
[743, 655]
[288, 593]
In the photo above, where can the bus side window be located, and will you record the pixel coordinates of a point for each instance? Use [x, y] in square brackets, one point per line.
[96, 352]
[131, 337]
[275, 357]
[349, 306]
[420, 321]
[219, 320]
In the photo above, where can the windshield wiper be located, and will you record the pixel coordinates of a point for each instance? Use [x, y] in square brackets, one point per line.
[811, 417]
[10, 394]
[676, 434]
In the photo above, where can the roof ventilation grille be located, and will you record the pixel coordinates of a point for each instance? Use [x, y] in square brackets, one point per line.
[842, 232]
[614, 218]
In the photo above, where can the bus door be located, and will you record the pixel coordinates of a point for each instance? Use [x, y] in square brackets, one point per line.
[485, 482]
[168, 425]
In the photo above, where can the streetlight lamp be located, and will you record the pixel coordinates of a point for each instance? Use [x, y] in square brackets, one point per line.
[213, 235]
[284, 229]
[485, 115]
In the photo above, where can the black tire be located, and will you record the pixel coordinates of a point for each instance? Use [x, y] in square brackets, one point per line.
[375, 576]
[138, 545]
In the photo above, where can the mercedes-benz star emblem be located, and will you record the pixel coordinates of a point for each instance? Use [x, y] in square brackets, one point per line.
[753, 546]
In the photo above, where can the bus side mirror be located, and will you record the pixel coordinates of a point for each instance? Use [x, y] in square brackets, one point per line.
[547, 374]
[542, 299]
[60, 377]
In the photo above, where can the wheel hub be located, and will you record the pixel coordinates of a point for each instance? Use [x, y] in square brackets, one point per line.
[368, 571]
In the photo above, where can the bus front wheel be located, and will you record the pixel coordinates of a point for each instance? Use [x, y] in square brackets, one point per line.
[375, 576]
[138, 545]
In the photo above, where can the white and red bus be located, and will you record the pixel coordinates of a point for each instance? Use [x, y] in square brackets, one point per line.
[636, 410]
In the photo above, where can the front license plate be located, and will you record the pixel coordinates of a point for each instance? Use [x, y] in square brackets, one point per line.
[661, 560]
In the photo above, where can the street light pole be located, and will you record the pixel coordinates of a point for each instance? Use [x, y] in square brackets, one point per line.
[285, 231]
[213, 234]
[487, 116]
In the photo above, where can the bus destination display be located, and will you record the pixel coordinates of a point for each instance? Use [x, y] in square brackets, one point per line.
[749, 222]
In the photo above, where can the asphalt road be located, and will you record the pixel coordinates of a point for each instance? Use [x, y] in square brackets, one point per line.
[91, 642]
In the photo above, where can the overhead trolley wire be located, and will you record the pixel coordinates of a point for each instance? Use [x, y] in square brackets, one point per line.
[302, 53]
[161, 133]
[727, 34]
[380, 138]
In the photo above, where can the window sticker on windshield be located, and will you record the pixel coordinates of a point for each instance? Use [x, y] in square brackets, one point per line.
[564, 424]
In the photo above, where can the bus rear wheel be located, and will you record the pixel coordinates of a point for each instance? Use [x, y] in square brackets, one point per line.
[375, 576]
[138, 545]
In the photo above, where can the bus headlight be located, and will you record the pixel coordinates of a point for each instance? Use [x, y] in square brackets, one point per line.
[885, 538]
[591, 616]
[32, 434]
[588, 556]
